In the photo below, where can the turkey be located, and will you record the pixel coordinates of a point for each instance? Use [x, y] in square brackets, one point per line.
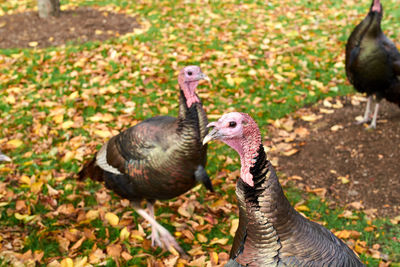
[373, 62]
[271, 232]
[160, 158]
[4, 157]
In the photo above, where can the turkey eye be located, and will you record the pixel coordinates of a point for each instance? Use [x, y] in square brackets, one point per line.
[190, 73]
[232, 124]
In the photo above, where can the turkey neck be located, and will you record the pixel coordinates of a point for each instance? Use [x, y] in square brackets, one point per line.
[370, 27]
[191, 120]
[265, 203]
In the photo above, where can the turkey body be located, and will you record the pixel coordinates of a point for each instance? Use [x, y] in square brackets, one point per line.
[372, 60]
[158, 159]
[272, 233]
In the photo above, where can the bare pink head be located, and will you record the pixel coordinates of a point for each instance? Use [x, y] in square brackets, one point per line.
[376, 6]
[188, 80]
[239, 131]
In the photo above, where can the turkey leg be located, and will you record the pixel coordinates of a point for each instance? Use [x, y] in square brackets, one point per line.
[373, 122]
[367, 111]
[162, 235]
[155, 237]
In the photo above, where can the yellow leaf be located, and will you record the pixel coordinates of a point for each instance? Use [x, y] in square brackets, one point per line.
[234, 227]
[229, 80]
[24, 217]
[344, 179]
[25, 180]
[112, 219]
[67, 125]
[238, 80]
[359, 249]
[10, 99]
[92, 215]
[81, 262]
[214, 257]
[58, 118]
[221, 241]
[202, 238]
[68, 156]
[302, 208]
[102, 133]
[336, 127]
[252, 72]
[163, 110]
[36, 187]
[309, 118]
[124, 234]
[102, 117]
[290, 152]
[343, 234]
[14, 143]
[33, 44]
[67, 262]
[74, 95]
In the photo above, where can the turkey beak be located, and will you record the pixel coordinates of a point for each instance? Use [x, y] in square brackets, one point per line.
[212, 135]
[202, 76]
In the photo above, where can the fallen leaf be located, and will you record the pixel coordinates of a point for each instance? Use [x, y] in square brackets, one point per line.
[78, 243]
[221, 241]
[336, 128]
[344, 179]
[92, 215]
[234, 226]
[112, 219]
[33, 44]
[114, 250]
[202, 238]
[124, 234]
[14, 143]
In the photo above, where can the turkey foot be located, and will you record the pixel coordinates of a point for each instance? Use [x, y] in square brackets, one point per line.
[373, 122]
[367, 112]
[159, 235]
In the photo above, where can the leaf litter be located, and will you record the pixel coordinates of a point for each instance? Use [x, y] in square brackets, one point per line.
[60, 104]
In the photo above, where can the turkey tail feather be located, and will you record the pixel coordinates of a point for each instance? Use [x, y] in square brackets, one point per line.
[91, 170]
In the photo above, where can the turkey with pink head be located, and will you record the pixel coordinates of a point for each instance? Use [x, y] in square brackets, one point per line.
[160, 158]
[271, 232]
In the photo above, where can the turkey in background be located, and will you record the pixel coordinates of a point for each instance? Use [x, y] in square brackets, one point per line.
[373, 62]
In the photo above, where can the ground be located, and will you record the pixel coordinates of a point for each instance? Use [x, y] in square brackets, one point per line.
[318, 148]
[80, 25]
[355, 165]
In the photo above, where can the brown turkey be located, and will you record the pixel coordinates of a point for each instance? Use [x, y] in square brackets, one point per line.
[373, 62]
[159, 158]
[4, 157]
[271, 232]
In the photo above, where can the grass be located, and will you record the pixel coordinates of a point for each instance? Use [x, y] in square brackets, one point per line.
[266, 59]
